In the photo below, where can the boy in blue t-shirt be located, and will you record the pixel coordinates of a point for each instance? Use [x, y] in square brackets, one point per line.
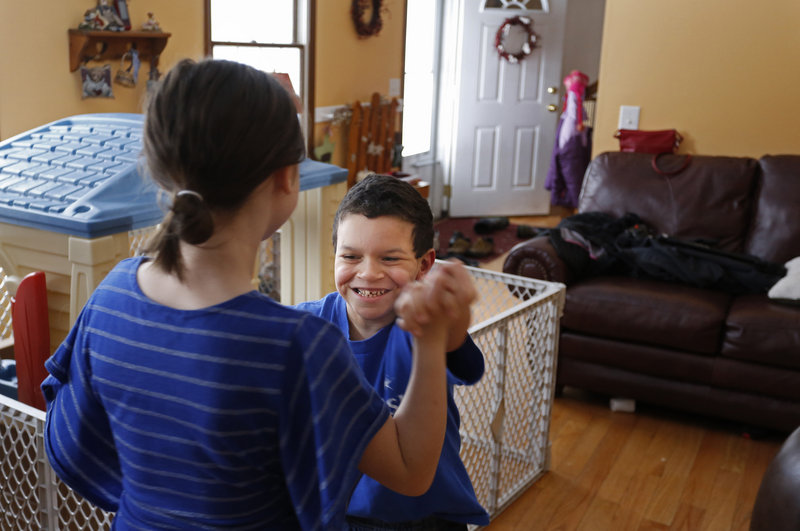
[383, 239]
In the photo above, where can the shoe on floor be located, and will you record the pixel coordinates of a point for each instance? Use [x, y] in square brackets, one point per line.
[457, 235]
[483, 246]
[459, 244]
[488, 225]
[526, 232]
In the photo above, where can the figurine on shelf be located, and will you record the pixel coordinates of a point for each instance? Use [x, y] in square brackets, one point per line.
[90, 20]
[109, 13]
[102, 17]
[151, 24]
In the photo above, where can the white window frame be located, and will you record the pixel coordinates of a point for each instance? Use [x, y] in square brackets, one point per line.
[304, 28]
[426, 164]
[426, 157]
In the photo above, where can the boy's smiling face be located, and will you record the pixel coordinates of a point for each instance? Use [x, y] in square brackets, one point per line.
[374, 259]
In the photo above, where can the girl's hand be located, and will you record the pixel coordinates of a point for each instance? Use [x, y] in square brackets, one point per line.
[442, 298]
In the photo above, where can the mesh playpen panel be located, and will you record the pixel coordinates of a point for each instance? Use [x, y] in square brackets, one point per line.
[31, 495]
[505, 418]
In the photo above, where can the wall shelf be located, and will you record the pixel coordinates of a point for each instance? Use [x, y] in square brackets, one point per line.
[101, 45]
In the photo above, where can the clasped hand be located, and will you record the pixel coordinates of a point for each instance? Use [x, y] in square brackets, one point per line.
[442, 298]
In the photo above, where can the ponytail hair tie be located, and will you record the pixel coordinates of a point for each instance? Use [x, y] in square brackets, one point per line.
[190, 193]
[191, 218]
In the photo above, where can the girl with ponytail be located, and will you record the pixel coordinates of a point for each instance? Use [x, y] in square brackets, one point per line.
[184, 399]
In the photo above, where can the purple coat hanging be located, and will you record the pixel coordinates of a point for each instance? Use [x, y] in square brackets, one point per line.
[572, 149]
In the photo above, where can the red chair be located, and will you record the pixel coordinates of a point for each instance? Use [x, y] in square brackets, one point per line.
[31, 338]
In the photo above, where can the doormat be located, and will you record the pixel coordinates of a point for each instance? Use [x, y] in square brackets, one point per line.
[503, 239]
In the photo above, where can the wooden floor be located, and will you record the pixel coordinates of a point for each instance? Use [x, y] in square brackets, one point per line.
[654, 469]
[649, 470]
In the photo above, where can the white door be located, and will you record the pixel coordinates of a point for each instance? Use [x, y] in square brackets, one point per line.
[504, 131]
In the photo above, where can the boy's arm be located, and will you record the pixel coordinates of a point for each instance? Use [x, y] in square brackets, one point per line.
[405, 452]
[466, 363]
[457, 332]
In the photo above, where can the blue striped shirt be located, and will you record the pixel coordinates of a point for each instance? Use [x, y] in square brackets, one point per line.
[244, 415]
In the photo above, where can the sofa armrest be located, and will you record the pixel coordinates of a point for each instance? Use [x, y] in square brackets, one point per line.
[537, 258]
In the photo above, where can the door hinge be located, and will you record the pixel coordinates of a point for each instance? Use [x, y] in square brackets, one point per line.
[447, 190]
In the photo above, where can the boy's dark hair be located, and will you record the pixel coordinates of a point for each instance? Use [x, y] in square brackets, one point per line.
[384, 195]
[217, 129]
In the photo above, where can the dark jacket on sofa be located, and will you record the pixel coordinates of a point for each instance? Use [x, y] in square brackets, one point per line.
[595, 243]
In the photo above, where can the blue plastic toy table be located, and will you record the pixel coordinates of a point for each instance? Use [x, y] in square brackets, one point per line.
[81, 176]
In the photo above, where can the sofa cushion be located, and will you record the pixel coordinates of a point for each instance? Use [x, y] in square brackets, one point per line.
[753, 408]
[761, 331]
[648, 312]
[711, 199]
[775, 232]
[757, 379]
[634, 357]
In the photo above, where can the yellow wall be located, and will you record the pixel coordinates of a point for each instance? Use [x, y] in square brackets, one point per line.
[349, 68]
[724, 73]
[36, 85]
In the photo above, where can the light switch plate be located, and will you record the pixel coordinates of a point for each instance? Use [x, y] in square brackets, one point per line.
[628, 117]
[394, 87]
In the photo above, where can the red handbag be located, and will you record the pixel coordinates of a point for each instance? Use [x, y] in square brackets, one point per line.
[687, 159]
[654, 142]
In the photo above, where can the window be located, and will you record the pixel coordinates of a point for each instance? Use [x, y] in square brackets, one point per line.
[420, 78]
[271, 35]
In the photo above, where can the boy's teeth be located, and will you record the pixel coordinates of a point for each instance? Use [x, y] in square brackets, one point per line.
[371, 292]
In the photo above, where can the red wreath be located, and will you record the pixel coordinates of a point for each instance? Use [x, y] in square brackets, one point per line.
[527, 47]
[373, 27]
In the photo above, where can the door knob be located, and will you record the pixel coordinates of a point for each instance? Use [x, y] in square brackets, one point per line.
[552, 90]
[552, 108]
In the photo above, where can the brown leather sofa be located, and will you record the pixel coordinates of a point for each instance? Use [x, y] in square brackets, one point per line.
[701, 350]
